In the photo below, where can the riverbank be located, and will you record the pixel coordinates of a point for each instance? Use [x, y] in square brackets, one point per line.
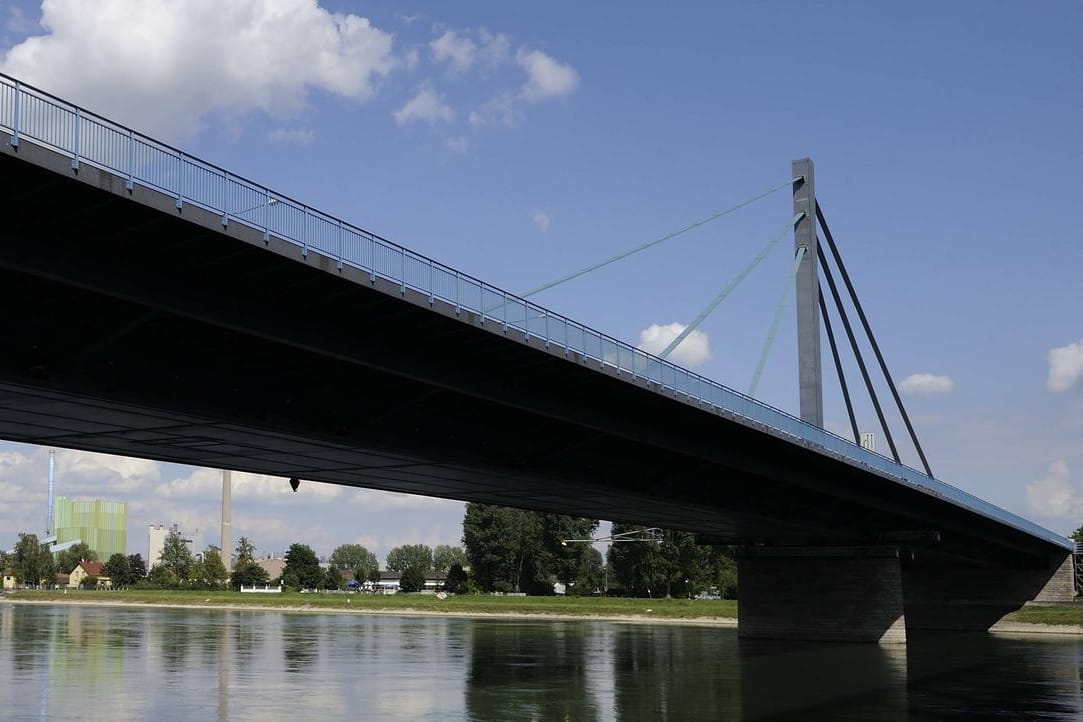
[722, 613]
[1063, 619]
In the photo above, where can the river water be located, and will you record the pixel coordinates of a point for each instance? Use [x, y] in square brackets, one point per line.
[126, 663]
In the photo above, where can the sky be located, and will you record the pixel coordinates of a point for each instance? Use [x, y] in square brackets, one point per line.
[520, 141]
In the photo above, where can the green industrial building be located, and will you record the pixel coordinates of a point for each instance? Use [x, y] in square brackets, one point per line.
[102, 525]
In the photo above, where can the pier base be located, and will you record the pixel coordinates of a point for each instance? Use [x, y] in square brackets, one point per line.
[851, 594]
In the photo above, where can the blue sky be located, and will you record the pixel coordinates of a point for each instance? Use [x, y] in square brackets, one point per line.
[520, 141]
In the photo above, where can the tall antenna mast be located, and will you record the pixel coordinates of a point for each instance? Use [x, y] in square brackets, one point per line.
[52, 481]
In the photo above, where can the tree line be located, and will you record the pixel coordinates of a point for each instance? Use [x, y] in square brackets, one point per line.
[504, 550]
[514, 550]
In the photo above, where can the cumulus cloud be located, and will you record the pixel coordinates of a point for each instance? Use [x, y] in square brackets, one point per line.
[455, 49]
[1054, 495]
[427, 106]
[694, 351]
[1065, 367]
[163, 66]
[542, 220]
[926, 384]
[300, 136]
[546, 77]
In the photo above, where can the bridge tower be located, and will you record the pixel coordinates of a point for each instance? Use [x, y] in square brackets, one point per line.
[809, 376]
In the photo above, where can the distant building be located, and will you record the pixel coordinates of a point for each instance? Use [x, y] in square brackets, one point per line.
[101, 525]
[9, 579]
[156, 536]
[273, 567]
[86, 569]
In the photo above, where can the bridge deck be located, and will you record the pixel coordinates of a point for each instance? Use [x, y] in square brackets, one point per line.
[165, 308]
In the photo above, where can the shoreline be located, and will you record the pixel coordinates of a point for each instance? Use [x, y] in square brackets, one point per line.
[1001, 627]
[721, 622]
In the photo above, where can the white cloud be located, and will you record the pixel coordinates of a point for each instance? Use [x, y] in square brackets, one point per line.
[504, 107]
[546, 77]
[427, 105]
[1065, 367]
[1054, 495]
[300, 136]
[926, 384]
[454, 48]
[541, 220]
[412, 58]
[495, 48]
[694, 351]
[207, 484]
[163, 66]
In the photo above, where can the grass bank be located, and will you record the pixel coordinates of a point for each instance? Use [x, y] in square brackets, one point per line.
[586, 607]
[1058, 614]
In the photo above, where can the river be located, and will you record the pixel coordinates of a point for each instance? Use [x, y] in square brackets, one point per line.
[128, 663]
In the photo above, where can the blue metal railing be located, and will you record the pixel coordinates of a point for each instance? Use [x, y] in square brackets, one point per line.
[33, 115]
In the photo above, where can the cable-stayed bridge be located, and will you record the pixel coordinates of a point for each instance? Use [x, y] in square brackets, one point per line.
[162, 307]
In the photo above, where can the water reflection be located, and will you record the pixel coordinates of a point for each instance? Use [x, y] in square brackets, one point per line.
[126, 663]
[675, 673]
[522, 670]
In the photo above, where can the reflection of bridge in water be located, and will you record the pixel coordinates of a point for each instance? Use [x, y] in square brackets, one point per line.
[166, 309]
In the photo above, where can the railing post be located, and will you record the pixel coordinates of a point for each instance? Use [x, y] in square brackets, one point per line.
[458, 293]
[14, 142]
[75, 140]
[810, 379]
[130, 183]
[225, 199]
[372, 268]
[180, 181]
[341, 245]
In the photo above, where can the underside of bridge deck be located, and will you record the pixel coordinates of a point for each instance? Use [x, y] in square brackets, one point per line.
[134, 327]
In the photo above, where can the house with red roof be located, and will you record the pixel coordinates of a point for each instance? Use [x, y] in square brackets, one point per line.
[86, 569]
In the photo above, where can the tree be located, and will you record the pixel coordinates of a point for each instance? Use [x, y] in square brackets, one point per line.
[412, 579]
[248, 574]
[117, 568]
[353, 557]
[591, 574]
[445, 556]
[333, 578]
[33, 563]
[516, 550]
[1077, 535]
[246, 551]
[302, 569]
[68, 559]
[214, 571]
[137, 568]
[638, 569]
[457, 581]
[162, 577]
[401, 558]
[176, 556]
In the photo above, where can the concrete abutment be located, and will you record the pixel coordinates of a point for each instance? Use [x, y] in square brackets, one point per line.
[879, 594]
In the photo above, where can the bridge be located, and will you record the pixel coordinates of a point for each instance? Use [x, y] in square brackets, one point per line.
[162, 307]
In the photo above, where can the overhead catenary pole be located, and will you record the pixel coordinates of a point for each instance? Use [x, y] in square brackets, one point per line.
[809, 375]
[227, 531]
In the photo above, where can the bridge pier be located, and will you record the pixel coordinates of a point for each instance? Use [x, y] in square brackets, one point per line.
[957, 598]
[873, 594]
[838, 594]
